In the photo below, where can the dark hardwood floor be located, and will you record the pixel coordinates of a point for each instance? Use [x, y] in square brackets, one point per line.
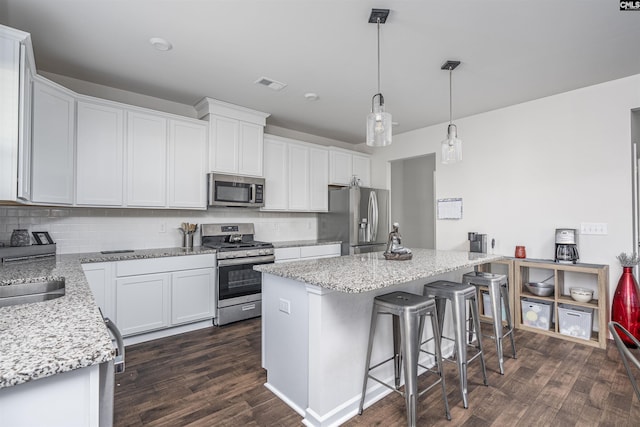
[212, 377]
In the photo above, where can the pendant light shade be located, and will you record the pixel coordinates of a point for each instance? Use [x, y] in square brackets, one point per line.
[452, 146]
[378, 121]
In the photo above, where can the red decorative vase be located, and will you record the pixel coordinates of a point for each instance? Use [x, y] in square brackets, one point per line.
[625, 308]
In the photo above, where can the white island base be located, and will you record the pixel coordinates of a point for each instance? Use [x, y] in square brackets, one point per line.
[314, 343]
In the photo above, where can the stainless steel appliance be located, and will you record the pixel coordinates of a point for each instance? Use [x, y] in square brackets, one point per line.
[477, 242]
[358, 216]
[235, 191]
[238, 287]
[567, 245]
[107, 373]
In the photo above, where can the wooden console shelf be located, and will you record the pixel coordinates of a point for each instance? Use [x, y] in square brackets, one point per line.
[564, 276]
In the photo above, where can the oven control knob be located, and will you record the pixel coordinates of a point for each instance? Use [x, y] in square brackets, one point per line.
[247, 253]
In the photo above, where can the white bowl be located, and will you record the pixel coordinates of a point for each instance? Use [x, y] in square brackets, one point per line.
[581, 294]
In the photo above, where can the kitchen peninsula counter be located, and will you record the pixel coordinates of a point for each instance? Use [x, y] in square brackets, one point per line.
[41, 339]
[315, 325]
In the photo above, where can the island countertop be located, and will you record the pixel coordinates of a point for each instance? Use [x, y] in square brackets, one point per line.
[368, 272]
[46, 338]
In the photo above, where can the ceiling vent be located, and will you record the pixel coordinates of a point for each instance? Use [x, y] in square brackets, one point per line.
[270, 83]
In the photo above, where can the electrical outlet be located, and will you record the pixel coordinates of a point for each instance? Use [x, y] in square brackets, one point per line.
[162, 228]
[599, 228]
[284, 306]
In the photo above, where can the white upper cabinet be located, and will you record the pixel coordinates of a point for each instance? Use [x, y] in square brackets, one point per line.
[99, 154]
[235, 138]
[146, 160]
[276, 174]
[187, 164]
[296, 175]
[344, 164]
[16, 57]
[52, 147]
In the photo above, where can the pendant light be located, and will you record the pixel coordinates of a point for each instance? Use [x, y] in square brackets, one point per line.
[378, 121]
[452, 145]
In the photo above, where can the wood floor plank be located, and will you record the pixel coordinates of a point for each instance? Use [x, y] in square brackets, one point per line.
[212, 377]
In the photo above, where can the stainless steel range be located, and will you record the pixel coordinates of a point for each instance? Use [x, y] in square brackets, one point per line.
[239, 287]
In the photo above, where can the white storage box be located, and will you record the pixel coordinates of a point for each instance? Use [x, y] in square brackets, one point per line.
[536, 313]
[486, 304]
[575, 321]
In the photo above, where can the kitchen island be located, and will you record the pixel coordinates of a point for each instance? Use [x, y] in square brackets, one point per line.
[315, 325]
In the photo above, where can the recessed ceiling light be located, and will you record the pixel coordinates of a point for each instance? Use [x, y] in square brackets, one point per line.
[310, 96]
[160, 44]
[270, 83]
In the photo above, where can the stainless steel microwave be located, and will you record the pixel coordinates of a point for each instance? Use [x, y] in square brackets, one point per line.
[235, 190]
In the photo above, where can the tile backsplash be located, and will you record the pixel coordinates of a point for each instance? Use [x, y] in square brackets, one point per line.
[96, 229]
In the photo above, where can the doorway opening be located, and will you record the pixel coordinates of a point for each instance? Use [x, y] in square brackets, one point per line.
[412, 200]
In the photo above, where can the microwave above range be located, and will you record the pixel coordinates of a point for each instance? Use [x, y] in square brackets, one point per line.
[235, 191]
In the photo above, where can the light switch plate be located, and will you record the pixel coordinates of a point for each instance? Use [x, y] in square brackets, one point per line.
[599, 228]
[284, 306]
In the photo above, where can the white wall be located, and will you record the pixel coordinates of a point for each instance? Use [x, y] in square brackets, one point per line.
[533, 167]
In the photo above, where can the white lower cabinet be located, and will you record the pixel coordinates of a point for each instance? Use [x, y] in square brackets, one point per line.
[100, 277]
[298, 253]
[192, 295]
[142, 303]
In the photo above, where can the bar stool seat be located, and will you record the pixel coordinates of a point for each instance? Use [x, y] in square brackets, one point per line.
[498, 292]
[408, 312]
[458, 295]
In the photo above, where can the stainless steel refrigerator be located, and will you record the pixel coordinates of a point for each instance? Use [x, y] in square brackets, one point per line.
[358, 216]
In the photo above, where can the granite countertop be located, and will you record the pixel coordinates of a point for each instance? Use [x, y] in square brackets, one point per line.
[46, 338]
[368, 272]
[297, 243]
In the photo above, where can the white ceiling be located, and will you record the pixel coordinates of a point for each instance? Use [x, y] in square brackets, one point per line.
[511, 51]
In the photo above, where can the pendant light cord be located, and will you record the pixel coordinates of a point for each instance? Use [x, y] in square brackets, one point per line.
[450, 97]
[378, 55]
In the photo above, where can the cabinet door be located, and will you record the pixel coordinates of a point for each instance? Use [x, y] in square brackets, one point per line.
[187, 164]
[53, 123]
[250, 149]
[318, 179]
[298, 177]
[223, 151]
[24, 135]
[362, 169]
[146, 160]
[100, 150]
[9, 116]
[340, 167]
[143, 303]
[192, 295]
[275, 175]
[100, 278]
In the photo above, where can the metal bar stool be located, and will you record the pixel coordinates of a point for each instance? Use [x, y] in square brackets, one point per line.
[458, 294]
[498, 290]
[408, 312]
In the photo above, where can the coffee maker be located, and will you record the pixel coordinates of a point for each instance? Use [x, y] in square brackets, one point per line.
[567, 245]
[477, 242]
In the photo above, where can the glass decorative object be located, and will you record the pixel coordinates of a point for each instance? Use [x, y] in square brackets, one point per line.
[625, 306]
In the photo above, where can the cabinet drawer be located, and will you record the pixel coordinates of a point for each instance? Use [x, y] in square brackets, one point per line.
[164, 264]
[319, 251]
[286, 254]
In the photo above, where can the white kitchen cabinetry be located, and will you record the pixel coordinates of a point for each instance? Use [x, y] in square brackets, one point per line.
[24, 128]
[16, 62]
[344, 164]
[235, 137]
[52, 149]
[276, 175]
[146, 160]
[296, 175]
[297, 253]
[143, 303]
[158, 293]
[192, 295]
[99, 154]
[100, 278]
[187, 164]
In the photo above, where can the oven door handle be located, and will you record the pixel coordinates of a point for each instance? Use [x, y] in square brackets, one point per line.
[249, 260]
[118, 363]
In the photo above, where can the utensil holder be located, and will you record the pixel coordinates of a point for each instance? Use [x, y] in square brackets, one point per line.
[187, 240]
[20, 237]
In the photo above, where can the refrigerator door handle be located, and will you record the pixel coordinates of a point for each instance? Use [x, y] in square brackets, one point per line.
[373, 216]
